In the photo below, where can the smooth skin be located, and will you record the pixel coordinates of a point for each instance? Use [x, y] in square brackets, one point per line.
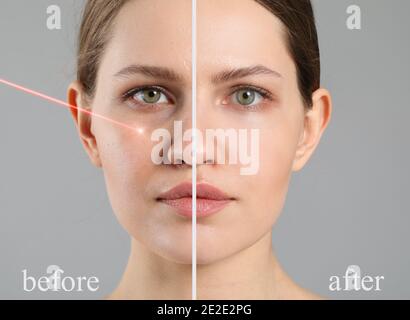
[234, 246]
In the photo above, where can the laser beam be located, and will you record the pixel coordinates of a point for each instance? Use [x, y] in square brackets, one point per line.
[67, 105]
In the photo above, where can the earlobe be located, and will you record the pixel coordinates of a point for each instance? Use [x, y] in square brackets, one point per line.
[83, 121]
[315, 122]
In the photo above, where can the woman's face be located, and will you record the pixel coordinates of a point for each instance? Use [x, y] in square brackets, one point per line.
[157, 33]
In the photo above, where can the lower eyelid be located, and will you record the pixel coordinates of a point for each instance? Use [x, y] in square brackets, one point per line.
[143, 107]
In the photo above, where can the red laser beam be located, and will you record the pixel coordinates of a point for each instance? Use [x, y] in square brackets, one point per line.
[64, 104]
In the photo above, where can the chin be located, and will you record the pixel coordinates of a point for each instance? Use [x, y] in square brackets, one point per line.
[177, 250]
[210, 251]
[180, 251]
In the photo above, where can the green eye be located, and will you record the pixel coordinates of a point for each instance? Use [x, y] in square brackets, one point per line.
[245, 96]
[151, 95]
[147, 96]
[248, 97]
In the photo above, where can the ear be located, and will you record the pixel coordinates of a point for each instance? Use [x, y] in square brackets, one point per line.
[83, 121]
[315, 122]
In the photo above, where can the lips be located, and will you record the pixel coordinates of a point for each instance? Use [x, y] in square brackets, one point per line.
[209, 199]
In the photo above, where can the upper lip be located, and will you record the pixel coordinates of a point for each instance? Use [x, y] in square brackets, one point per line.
[203, 191]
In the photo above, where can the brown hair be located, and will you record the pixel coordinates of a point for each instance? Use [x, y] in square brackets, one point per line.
[302, 41]
[296, 15]
[96, 28]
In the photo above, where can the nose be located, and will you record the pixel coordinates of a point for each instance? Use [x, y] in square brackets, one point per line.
[187, 143]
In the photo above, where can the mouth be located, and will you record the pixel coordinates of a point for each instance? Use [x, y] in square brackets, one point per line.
[209, 199]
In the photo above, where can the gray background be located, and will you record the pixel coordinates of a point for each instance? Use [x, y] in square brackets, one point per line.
[350, 204]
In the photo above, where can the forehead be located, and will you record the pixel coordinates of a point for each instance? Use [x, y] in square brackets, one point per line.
[230, 33]
[239, 33]
[153, 32]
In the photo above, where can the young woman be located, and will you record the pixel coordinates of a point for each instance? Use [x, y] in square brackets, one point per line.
[257, 66]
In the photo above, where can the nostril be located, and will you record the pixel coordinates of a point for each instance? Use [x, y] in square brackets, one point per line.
[178, 160]
[175, 155]
[180, 164]
[210, 161]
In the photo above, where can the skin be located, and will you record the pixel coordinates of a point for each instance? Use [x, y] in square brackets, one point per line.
[234, 248]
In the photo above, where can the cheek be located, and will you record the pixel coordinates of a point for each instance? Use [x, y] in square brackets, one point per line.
[131, 180]
[126, 163]
[261, 198]
[277, 151]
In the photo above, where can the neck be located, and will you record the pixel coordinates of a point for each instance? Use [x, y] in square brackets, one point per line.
[252, 273]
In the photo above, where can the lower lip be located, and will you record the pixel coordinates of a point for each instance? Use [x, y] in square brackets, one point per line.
[204, 207]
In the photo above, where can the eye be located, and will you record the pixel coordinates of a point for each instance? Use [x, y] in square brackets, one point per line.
[151, 96]
[147, 96]
[248, 97]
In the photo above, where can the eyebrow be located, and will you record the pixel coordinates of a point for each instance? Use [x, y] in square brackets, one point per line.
[149, 71]
[170, 75]
[238, 73]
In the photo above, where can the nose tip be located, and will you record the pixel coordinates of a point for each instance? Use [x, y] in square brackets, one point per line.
[181, 147]
[185, 154]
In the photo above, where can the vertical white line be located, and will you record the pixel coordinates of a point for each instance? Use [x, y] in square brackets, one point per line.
[194, 149]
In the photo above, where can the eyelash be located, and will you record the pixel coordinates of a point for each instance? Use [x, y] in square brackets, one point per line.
[265, 94]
